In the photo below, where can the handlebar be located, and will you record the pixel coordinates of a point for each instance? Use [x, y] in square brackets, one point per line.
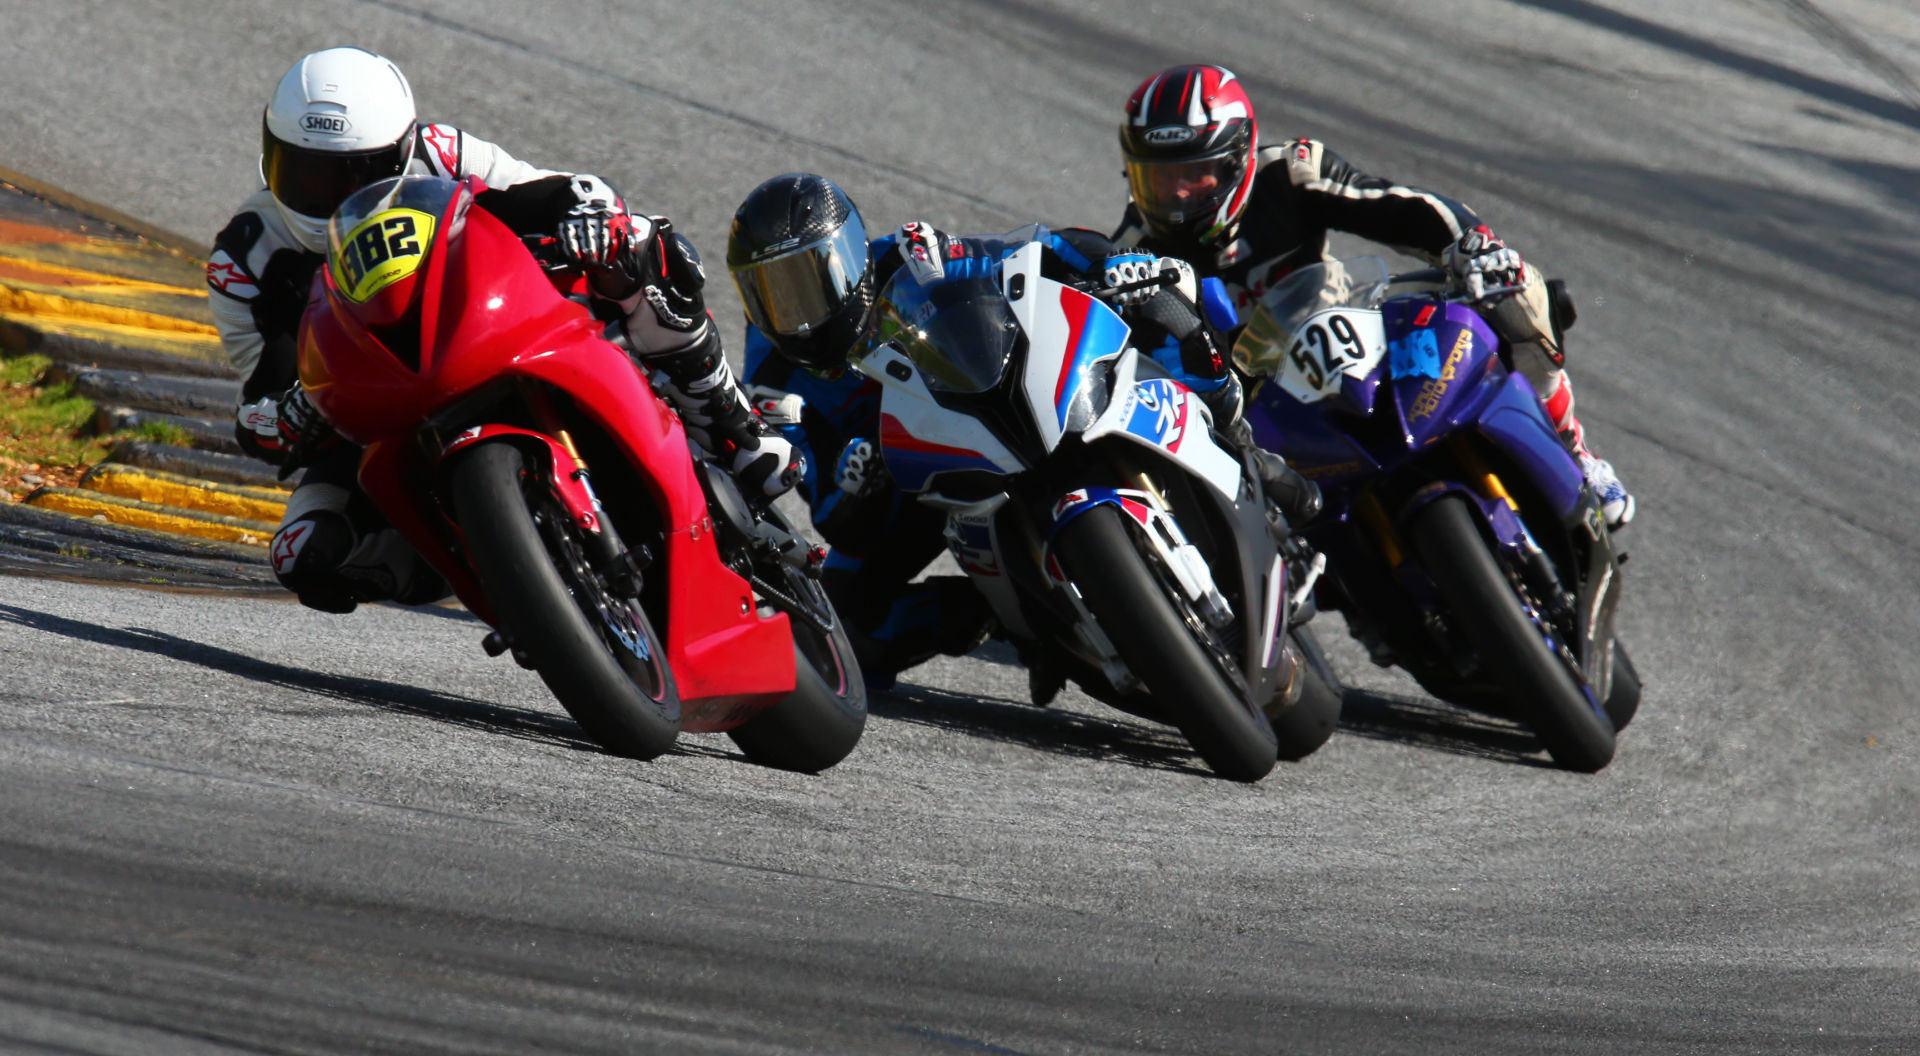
[1442, 277]
[546, 250]
[1111, 293]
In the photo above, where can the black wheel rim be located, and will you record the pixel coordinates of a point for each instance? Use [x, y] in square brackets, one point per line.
[620, 621]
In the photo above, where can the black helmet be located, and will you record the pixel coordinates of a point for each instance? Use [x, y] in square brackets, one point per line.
[798, 254]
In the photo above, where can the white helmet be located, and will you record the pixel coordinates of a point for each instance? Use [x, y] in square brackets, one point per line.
[339, 120]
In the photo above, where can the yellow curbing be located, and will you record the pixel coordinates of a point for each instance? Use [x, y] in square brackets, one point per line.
[148, 515]
[172, 489]
[46, 305]
[83, 277]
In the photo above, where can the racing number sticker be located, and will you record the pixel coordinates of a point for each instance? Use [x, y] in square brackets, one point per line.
[1329, 346]
[384, 249]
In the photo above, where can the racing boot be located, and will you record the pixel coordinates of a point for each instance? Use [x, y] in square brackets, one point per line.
[701, 386]
[1297, 497]
[1616, 503]
[333, 550]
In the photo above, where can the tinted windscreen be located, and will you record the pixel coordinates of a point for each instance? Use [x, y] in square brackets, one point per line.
[960, 333]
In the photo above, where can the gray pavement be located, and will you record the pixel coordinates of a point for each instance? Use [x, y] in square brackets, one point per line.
[234, 825]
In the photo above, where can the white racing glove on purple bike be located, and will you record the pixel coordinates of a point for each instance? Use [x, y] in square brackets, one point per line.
[1483, 265]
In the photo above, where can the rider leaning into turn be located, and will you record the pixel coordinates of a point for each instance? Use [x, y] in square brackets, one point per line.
[1204, 190]
[339, 120]
[808, 277]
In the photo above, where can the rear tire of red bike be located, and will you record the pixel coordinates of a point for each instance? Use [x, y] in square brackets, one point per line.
[819, 723]
[542, 595]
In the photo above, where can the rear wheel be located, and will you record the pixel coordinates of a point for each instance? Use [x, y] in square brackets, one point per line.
[596, 651]
[1513, 650]
[1302, 728]
[1145, 621]
[822, 719]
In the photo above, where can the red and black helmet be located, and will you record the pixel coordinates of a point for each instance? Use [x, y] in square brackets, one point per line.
[1189, 140]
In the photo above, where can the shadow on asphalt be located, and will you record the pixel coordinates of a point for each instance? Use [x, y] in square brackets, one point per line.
[1110, 736]
[1417, 722]
[522, 723]
[1424, 723]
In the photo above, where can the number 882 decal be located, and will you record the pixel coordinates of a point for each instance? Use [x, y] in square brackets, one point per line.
[1329, 346]
[384, 249]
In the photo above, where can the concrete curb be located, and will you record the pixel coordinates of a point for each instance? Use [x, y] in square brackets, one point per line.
[67, 345]
[170, 489]
[192, 249]
[47, 543]
[200, 464]
[192, 397]
[89, 287]
[150, 515]
[15, 300]
[204, 434]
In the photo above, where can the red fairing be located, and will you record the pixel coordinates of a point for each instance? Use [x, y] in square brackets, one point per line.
[487, 310]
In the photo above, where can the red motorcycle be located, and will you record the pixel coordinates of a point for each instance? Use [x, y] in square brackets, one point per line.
[652, 597]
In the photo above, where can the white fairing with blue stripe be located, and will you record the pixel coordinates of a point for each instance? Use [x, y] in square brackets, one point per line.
[922, 438]
[1164, 414]
[1067, 331]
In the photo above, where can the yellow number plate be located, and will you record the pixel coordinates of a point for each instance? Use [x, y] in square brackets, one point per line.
[384, 249]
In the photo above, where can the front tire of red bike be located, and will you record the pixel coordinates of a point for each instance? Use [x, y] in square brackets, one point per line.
[596, 651]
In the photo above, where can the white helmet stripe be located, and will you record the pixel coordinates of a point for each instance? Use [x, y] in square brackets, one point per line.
[1146, 99]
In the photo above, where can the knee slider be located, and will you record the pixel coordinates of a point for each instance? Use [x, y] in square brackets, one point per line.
[307, 555]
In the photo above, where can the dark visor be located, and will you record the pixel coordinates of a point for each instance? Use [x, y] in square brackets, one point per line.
[798, 289]
[315, 182]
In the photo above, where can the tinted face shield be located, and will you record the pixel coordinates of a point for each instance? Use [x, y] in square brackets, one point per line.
[1179, 194]
[795, 290]
[315, 182]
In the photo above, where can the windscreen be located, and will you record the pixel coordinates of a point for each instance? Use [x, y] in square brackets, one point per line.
[1360, 283]
[960, 332]
[380, 234]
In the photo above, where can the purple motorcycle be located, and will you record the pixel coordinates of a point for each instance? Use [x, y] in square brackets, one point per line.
[1462, 541]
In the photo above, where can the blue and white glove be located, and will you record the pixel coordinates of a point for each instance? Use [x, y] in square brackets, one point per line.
[1483, 265]
[860, 470]
[1128, 267]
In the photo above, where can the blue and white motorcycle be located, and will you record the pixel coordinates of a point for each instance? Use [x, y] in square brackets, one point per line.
[1088, 501]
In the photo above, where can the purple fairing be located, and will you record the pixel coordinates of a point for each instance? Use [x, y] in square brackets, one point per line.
[1443, 372]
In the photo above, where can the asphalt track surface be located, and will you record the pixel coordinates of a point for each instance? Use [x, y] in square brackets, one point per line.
[229, 824]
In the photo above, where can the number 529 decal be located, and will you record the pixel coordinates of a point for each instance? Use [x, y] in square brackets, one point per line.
[1329, 346]
[384, 249]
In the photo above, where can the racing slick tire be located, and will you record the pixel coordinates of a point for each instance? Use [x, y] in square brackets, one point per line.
[1138, 613]
[1513, 651]
[597, 652]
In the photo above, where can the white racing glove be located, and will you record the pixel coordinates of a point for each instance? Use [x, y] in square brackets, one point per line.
[1484, 266]
[860, 470]
[1125, 268]
[259, 426]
